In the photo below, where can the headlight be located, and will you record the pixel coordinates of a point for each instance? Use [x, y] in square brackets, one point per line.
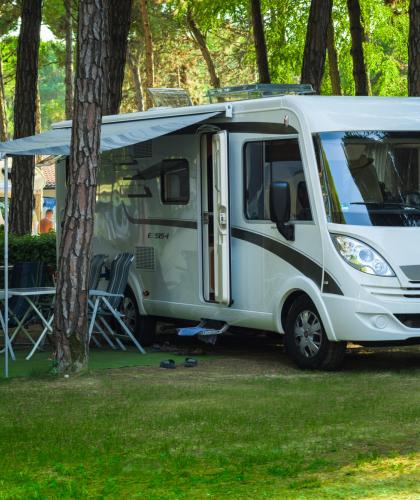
[361, 256]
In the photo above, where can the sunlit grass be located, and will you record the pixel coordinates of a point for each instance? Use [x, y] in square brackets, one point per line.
[229, 428]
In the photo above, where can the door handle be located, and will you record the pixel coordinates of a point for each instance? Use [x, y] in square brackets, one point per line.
[222, 216]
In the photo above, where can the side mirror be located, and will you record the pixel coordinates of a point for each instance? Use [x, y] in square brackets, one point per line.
[280, 208]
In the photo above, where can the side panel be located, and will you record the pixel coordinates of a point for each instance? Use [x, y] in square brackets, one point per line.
[263, 261]
[132, 216]
[221, 218]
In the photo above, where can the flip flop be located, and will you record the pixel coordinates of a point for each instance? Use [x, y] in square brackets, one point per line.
[167, 363]
[190, 363]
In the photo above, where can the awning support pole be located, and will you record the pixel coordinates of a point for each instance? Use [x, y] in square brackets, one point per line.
[6, 268]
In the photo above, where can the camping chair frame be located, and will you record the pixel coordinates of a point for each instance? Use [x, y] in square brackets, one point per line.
[106, 303]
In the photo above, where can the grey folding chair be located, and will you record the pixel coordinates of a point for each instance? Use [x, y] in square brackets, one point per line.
[97, 263]
[105, 304]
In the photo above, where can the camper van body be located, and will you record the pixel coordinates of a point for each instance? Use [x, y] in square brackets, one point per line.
[194, 208]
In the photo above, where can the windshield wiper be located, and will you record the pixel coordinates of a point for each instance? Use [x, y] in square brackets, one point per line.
[385, 204]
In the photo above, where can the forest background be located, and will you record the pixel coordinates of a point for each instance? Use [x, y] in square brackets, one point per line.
[226, 28]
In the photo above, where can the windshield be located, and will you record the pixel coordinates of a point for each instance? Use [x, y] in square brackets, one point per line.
[370, 178]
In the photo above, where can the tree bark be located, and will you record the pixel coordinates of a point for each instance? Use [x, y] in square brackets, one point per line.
[70, 316]
[259, 42]
[24, 115]
[3, 116]
[148, 44]
[333, 61]
[414, 49]
[119, 13]
[182, 76]
[38, 111]
[361, 79]
[316, 43]
[135, 74]
[202, 45]
[68, 80]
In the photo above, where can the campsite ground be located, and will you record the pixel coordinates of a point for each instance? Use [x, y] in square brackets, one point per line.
[245, 424]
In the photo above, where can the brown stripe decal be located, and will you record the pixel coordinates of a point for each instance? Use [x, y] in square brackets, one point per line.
[296, 259]
[186, 224]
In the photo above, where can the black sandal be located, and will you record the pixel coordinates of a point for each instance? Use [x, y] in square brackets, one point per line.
[167, 363]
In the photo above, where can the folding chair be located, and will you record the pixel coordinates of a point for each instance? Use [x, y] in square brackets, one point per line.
[96, 265]
[24, 275]
[105, 303]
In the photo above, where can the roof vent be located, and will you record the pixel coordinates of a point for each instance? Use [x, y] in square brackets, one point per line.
[256, 91]
[169, 98]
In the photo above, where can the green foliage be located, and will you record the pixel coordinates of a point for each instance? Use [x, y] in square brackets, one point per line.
[226, 27]
[29, 248]
[50, 79]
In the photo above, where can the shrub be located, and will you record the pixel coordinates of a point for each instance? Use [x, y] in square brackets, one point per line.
[29, 248]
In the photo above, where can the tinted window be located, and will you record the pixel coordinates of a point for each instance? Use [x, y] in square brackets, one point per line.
[175, 182]
[268, 161]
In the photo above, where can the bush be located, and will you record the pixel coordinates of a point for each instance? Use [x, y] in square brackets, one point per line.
[29, 248]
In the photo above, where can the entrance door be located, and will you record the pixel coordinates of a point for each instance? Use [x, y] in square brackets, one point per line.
[215, 218]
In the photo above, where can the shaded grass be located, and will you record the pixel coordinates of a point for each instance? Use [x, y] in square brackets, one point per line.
[99, 359]
[229, 428]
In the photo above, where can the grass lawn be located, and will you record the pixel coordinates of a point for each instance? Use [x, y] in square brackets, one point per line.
[100, 359]
[241, 426]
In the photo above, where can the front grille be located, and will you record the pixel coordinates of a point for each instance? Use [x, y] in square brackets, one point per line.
[393, 292]
[409, 320]
[145, 258]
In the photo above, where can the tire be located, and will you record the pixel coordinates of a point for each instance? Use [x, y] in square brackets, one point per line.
[143, 327]
[306, 341]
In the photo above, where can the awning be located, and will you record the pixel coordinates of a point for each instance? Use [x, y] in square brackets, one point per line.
[113, 135]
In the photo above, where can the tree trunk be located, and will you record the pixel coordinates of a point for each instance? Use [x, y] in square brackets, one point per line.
[70, 316]
[148, 44]
[202, 45]
[182, 76]
[259, 42]
[316, 43]
[414, 50]
[119, 13]
[3, 115]
[38, 111]
[68, 80]
[135, 74]
[361, 79]
[24, 115]
[333, 61]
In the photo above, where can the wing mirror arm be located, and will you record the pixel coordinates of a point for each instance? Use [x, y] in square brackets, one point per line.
[286, 230]
[280, 209]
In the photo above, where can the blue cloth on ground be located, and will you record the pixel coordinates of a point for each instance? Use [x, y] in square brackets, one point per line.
[190, 331]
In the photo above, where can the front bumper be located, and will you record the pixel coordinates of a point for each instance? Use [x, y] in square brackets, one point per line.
[368, 321]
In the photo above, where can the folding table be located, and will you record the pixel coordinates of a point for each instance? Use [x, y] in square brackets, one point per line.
[28, 294]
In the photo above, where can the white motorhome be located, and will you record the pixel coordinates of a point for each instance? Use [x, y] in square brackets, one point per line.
[293, 214]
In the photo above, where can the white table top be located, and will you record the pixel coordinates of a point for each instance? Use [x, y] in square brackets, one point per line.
[41, 290]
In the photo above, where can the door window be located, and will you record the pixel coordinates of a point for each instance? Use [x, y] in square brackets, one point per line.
[271, 161]
[175, 182]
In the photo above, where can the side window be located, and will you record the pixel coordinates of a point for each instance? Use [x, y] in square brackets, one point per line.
[175, 182]
[268, 161]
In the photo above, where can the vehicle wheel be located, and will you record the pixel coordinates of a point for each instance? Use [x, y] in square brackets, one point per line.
[143, 327]
[306, 341]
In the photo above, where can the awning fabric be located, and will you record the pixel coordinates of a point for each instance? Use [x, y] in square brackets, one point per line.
[113, 135]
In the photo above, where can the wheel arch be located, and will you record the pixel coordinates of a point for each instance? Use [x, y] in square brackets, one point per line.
[137, 289]
[295, 289]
